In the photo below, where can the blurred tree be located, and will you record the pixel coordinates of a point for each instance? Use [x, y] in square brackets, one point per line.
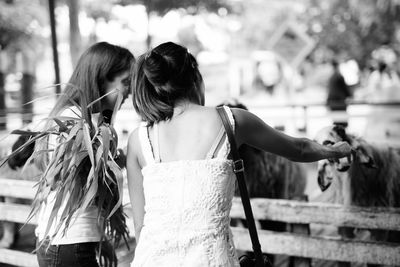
[97, 11]
[261, 19]
[75, 40]
[161, 7]
[101, 9]
[20, 25]
[351, 28]
[187, 37]
[354, 28]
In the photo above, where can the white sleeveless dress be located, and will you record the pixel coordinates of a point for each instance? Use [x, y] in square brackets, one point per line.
[187, 205]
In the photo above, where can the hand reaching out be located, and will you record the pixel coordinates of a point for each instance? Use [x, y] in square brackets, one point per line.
[343, 148]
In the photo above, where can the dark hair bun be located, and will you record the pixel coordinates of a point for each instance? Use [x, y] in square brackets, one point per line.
[156, 69]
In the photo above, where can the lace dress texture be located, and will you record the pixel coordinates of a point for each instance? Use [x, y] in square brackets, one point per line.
[187, 205]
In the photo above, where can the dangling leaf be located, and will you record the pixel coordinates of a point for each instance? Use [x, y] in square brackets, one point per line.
[25, 133]
[119, 179]
[68, 119]
[117, 105]
[63, 127]
[91, 193]
[84, 108]
[105, 136]
[73, 132]
[29, 161]
[88, 142]
[100, 98]
[56, 207]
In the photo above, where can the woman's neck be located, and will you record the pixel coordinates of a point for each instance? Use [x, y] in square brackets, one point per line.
[182, 106]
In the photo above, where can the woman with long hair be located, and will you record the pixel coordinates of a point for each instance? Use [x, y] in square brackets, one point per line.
[75, 203]
[180, 175]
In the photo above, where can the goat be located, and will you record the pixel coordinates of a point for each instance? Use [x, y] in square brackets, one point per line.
[370, 179]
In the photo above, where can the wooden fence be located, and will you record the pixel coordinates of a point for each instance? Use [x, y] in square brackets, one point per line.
[19, 212]
[293, 244]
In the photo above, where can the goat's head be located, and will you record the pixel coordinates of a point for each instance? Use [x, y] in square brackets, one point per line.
[329, 169]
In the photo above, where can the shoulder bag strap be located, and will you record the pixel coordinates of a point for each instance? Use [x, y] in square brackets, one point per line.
[238, 168]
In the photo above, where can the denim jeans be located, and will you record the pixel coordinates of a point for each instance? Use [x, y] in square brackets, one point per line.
[70, 255]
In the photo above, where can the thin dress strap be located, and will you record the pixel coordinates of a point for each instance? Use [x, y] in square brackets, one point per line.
[216, 143]
[225, 148]
[145, 144]
[230, 116]
[156, 146]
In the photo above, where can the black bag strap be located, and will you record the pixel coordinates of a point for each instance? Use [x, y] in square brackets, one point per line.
[238, 168]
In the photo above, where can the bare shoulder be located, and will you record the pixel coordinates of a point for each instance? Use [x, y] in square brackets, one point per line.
[243, 118]
[135, 149]
[207, 115]
[248, 125]
[208, 110]
[133, 140]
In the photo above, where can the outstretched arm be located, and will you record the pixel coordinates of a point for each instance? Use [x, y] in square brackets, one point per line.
[251, 130]
[135, 183]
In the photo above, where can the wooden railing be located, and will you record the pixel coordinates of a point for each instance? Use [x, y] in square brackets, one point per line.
[19, 213]
[293, 244]
[321, 247]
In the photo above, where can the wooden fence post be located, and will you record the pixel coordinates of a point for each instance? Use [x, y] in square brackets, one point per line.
[304, 229]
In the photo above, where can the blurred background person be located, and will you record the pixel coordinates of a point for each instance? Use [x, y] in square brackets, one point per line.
[338, 92]
[383, 84]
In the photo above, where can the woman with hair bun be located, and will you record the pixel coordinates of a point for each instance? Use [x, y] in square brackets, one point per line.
[180, 177]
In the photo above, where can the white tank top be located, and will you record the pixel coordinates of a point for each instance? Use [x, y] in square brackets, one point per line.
[84, 225]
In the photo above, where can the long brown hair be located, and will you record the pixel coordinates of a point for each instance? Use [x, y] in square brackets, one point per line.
[99, 63]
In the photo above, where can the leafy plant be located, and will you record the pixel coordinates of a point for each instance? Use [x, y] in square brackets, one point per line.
[82, 171]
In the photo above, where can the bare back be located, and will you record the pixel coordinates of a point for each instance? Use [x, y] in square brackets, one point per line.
[190, 135]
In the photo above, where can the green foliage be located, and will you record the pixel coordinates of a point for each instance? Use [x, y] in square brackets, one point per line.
[349, 28]
[82, 172]
[354, 28]
[187, 37]
[20, 21]
[193, 6]
[260, 20]
[161, 7]
[97, 9]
